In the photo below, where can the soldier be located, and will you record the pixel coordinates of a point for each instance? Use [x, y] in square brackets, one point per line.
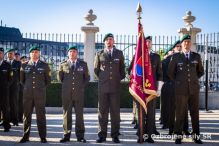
[109, 67]
[14, 86]
[135, 103]
[168, 94]
[74, 75]
[35, 76]
[18, 56]
[6, 75]
[150, 126]
[185, 68]
[20, 98]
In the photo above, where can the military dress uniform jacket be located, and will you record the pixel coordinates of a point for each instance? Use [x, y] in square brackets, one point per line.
[73, 81]
[16, 65]
[35, 79]
[6, 74]
[186, 73]
[109, 70]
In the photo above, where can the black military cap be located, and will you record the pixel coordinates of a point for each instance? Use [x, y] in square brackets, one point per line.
[107, 35]
[2, 49]
[74, 47]
[148, 38]
[17, 54]
[9, 50]
[34, 48]
[185, 37]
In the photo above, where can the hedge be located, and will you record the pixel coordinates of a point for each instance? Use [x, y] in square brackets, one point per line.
[54, 95]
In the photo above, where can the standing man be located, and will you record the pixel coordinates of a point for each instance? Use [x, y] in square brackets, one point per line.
[17, 56]
[185, 69]
[6, 75]
[20, 98]
[168, 94]
[150, 126]
[74, 75]
[14, 86]
[109, 67]
[35, 75]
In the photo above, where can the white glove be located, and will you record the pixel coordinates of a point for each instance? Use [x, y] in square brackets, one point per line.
[159, 87]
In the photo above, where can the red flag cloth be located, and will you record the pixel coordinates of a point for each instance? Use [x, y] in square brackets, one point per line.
[141, 85]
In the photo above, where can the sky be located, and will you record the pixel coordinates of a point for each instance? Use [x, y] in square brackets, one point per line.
[159, 17]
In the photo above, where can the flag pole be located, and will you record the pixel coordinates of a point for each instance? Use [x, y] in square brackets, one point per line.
[141, 110]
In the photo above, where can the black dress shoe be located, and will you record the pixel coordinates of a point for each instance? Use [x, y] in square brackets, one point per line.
[43, 140]
[100, 140]
[116, 140]
[178, 141]
[24, 139]
[198, 141]
[15, 124]
[81, 140]
[6, 130]
[156, 132]
[136, 126]
[65, 139]
[149, 140]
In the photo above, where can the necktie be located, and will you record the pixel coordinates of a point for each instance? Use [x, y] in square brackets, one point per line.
[11, 62]
[73, 65]
[110, 53]
[187, 57]
[34, 64]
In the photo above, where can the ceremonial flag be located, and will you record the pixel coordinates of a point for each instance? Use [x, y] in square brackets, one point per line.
[142, 85]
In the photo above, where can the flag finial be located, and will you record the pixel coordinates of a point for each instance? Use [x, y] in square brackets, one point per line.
[139, 11]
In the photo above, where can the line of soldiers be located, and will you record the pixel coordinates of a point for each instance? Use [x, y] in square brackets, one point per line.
[181, 70]
[109, 68]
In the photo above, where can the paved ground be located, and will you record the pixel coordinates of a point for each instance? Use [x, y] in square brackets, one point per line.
[209, 123]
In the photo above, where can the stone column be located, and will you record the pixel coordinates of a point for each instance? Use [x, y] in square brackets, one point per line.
[189, 29]
[89, 42]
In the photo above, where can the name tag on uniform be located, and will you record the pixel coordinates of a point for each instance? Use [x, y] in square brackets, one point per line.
[80, 69]
[195, 61]
[40, 69]
[116, 60]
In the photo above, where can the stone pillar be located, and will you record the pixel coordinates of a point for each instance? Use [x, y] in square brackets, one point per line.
[189, 29]
[89, 42]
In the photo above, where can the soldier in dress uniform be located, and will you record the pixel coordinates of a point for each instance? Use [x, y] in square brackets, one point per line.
[14, 86]
[185, 68]
[168, 94]
[35, 75]
[20, 99]
[6, 75]
[74, 75]
[109, 67]
[150, 126]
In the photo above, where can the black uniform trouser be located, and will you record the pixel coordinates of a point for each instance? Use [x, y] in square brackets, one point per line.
[166, 95]
[20, 104]
[28, 104]
[4, 106]
[13, 100]
[150, 126]
[108, 102]
[182, 102]
[67, 118]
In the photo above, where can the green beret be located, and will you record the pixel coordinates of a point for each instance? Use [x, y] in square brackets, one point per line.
[185, 37]
[2, 49]
[107, 35]
[148, 38]
[9, 50]
[172, 47]
[72, 48]
[34, 48]
[17, 54]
